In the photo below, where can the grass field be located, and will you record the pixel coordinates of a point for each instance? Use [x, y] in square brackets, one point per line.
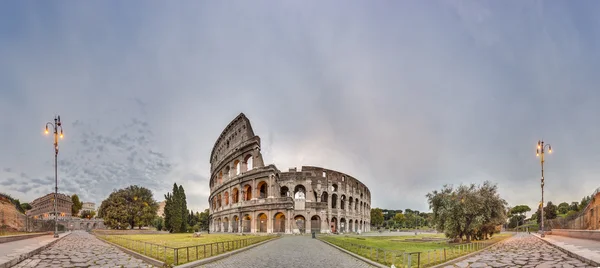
[396, 249]
[183, 248]
[12, 233]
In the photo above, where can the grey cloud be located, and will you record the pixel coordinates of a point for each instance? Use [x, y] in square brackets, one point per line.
[8, 182]
[9, 170]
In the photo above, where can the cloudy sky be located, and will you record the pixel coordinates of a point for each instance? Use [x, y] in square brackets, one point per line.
[404, 95]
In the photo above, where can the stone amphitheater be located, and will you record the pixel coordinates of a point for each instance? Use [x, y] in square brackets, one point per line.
[247, 196]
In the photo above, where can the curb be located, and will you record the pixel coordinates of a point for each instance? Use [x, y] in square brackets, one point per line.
[376, 264]
[27, 255]
[134, 254]
[11, 238]
[571, 254]
[222, 256]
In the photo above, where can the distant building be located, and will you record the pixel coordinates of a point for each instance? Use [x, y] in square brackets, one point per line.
[87, 206]
[43, 207]
[161, 209]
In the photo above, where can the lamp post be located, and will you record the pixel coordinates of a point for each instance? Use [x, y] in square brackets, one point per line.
[541, 147]
[55, 126]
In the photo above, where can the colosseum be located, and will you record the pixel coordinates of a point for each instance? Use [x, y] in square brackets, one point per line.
[247, 196]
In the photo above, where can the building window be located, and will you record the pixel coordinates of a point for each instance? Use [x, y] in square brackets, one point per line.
[324, 174]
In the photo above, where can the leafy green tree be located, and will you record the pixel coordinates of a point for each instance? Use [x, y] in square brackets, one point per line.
[376, 217]
[86, 214]
[467, 210]
[26, 206]
[399, 218]
[574, 206]
[131, 207]
[158, 223]
[203, 219]
[76, 205]
[563, 208]
[584, 202]
[549, 212]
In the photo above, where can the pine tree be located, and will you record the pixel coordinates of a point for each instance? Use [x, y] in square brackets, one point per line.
[183, 209]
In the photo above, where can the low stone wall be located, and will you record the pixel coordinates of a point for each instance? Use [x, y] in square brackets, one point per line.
[584, 234]
[10, 238]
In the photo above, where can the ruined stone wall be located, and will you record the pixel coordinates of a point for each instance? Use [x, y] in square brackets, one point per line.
[11, 217]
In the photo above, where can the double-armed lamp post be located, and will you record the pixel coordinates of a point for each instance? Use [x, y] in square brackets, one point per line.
[541, 147]
[55, 126]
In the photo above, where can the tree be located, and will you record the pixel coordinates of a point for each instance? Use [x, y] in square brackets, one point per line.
[176, 213]
[466, 211]
[376, 217]
[549, 212]
[563, 208]
[86, 214]
[520, 209]
[131, 207]
[158, 223]
[584, 202]
[399, 218]
[26, 206]
[203, 219]
[574, 206]
[76, 205]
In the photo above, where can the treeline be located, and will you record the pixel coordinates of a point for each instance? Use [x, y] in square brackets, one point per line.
[396, 219]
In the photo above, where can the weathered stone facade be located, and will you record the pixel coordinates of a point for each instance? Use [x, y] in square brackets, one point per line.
[43, 207]
[249, 197]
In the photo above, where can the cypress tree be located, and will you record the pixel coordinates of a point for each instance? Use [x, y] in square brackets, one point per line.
[183, 209]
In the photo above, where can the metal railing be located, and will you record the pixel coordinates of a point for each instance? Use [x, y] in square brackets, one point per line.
[401, 258]
[181, 255]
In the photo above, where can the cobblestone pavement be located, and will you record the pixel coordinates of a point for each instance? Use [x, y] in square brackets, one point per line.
[290, 251]
[81, 249]
[522, 250]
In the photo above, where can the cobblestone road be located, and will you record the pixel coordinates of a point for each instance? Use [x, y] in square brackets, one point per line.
[521, 251]
[81, 249]
[290, 251]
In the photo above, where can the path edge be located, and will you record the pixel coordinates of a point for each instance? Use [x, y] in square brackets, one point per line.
[462, 258]
[571, 254]
[224, 255]
[148, 260]
[376, 264]
[27, 255]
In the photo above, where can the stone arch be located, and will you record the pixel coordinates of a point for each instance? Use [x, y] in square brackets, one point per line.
[228, 172]
[219, 200]
[299, 192]
[284, 191]
[238, 167]
[261, 189]
[343, 202]
[261, 222]
[220, 177]
[343, 226]
[247, 224]
[350, 227]
[315, 224]
[218, 224]
[235, 195]
[334, 187]
[214, 203]
[300, 223]
[236, 224]
[247, 192]
[226, 225]
[334, 201]
[248, 162]
[324, 197]
[355, 225]
[279, 223]
[350, 205]
[333, 224]
[226, 198]
[355, 204]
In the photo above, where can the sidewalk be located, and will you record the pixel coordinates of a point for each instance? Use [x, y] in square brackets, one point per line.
[12, 253]
[589, 250]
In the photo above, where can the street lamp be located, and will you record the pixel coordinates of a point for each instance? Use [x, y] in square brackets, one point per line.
[55, 126]
[541, 147]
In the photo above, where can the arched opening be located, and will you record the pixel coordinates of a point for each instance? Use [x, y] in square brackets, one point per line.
[316, 197]
[261, 221]
[248, 162]
[356, 205]
[350, 229]
[219, 200]
[299, 192]
[360, 224]
[355, 225]
[227, 172]
[226, 198]
[315, 224]
[350, 203]
[343, 225]
[218, 225]
[262, 189]
[236, 224]
[343, 202]
[220, 177]
[279, 223]
[238, 168]
[324, 196]
[226, 224]
[334, 201]
[247, 192]
[214, 203]
[334, 187]
[246, 224]
[235, 196]
[284, 191]
[300, 223]
[333, 225]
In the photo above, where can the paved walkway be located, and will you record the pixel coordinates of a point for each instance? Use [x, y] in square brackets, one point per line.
[522, 250]
[12, 250]
[81, 249]
[589, 249]
[290, 251]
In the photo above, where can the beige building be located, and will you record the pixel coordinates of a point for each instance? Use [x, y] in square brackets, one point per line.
[43, 207]
[87, 206]
[248, 197]
[161, 209]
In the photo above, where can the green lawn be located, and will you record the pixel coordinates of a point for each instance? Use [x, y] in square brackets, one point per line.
[12, 233]
[395, 250]
[183, 248]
